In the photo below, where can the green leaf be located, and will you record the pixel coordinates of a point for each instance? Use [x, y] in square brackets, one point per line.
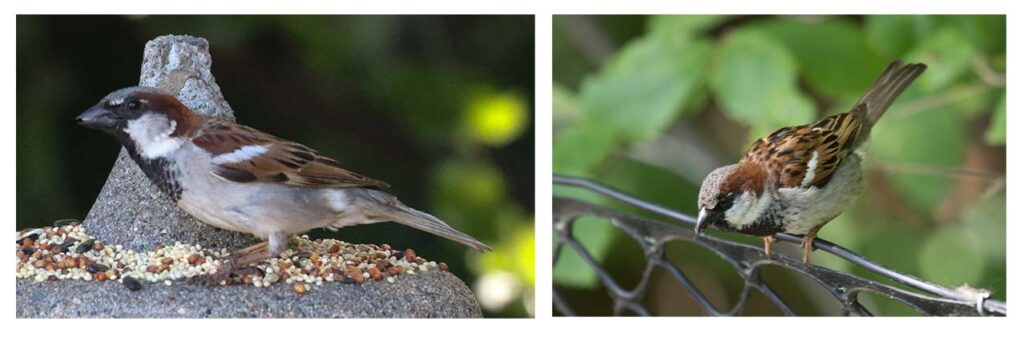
[996, 134]
[565, 104]
[986, 219]
[949, 257]
[894, 35]
[643, 89]
[755, 82]
[948, 55]
[833, 55]
[984, 32]
[687, 25]
[579, 147]
[934, 138]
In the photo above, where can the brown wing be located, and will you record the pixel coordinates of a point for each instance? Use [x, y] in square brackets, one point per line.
[243, 154]
[822, 146]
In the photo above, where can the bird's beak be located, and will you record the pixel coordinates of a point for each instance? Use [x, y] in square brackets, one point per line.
[98, 117]
[703, 220]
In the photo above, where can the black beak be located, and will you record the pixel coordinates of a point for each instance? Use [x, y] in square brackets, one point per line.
[98, 117]
[704, 219]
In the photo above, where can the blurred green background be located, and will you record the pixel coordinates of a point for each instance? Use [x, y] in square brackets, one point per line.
[650, 105]
[439, 107]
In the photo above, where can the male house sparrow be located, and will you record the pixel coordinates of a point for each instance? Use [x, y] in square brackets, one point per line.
[801, 177]
[234, 177]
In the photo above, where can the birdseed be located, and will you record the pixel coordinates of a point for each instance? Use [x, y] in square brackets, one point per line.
[66, 252]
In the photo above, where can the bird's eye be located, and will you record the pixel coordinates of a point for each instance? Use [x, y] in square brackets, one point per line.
[133, 105]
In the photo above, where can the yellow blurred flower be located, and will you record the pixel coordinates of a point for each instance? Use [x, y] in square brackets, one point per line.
[496, 119]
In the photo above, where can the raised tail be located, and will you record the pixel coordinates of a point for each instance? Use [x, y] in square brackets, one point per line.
[386, 207]
[887, 87]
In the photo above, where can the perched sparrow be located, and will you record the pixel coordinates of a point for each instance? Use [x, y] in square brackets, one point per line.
[234, 177]
[799, 178]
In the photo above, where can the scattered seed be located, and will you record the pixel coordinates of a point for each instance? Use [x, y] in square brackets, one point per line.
[355, 274]
[58, 253]
[299, 287]
[375, 274]
[68, 243]
[131, 283]
[85, 246]
[66, 222]
[39, 264]
[96, 268]
[410, 255]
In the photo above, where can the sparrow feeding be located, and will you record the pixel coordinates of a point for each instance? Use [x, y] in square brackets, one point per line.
[801, 177]
[234, 177]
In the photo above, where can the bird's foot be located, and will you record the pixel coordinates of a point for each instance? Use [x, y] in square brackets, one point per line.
[221, 276]
[768, 241]
[807, 243]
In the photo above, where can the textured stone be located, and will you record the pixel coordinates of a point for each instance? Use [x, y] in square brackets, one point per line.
[431, 294]
[130, 211]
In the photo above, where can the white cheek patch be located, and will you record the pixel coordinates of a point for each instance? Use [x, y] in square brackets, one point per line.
[811, 166]
[152, 136]
[747, 208]
[242, 154]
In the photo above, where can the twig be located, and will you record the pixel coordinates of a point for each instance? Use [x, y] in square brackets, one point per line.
[987, 74]
[587, 37]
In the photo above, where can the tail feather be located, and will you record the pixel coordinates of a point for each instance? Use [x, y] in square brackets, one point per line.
[386, 207]
[887, 87]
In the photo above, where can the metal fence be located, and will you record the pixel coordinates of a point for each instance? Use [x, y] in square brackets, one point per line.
[748, 261]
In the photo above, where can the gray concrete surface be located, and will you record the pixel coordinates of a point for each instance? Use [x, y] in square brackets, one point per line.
[431, 294]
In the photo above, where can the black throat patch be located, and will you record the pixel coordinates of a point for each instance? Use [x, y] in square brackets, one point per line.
[161, 172]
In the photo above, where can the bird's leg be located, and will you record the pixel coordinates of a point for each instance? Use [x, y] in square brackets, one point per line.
[768, 241]
[808, 242]
[242, 258]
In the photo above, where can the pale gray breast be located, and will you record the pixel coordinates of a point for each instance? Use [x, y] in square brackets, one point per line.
[804, 209]
[257, 208]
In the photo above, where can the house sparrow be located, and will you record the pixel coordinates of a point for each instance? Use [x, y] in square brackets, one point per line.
[234, 177]
[799, 178]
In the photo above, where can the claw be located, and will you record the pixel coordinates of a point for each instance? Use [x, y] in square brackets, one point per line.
[768, 240]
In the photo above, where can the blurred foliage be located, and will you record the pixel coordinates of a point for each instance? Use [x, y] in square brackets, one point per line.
[440, 107]
[649, 105]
